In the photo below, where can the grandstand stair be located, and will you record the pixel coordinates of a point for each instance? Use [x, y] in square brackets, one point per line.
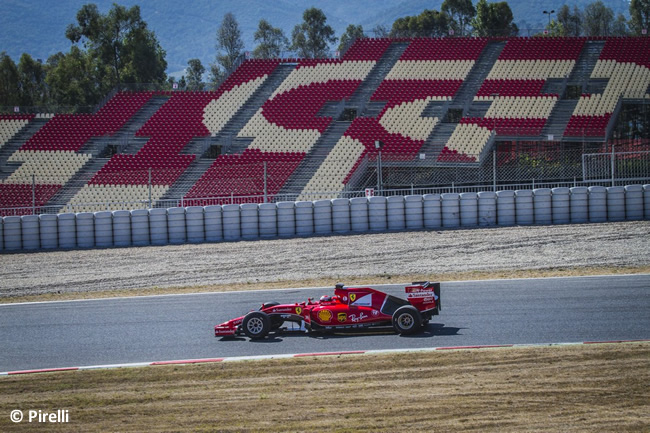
[360, 99]
[76, 183]
[126, 135]
[314, 159]
[227, 137]
[186, 180]
[586, 63]
[464, 99]
[559, 118]
[15, 143]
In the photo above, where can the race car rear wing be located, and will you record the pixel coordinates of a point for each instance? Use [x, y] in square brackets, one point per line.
[424, 295]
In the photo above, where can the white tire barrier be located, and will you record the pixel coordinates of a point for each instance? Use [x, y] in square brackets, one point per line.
[597, 204]
[542, 206]
[561, 205]
[250, 228]
[341, 215]
[506, 215]
[176, 225]
[49, 231]
[213, 223]
[413, 205]
[140, 228]
[359, 222]
[268, 217]
[468, 209]
[579, 204]
[616, 203]
[323, 217]
[377, 214]
[194, 224]
[158, 227]
[122, 228]
[31, 232]
[67, 225]
[103, 229]
[634, 202]
[395, 213]
[487, 208]
[13, 233]
[286, 219]
[85, 230]
[450, 210]
[304, 218]
[231, 222]
[524, 207]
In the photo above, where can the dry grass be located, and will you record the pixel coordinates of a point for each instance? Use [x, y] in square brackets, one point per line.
[326, 282]
[569, 388]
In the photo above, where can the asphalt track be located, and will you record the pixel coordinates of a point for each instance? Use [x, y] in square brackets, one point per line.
[161, 328]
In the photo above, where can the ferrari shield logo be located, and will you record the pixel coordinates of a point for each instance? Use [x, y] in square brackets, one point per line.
[342, 317]
[298, 310]
[353, 297]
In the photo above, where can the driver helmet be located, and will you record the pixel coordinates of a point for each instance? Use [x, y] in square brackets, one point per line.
[326, 298]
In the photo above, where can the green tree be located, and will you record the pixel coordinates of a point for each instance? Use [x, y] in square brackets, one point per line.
[430, 23]
[75, 78]
[229, 47]
[598, 19]
[351, 34]
[494, 19]
[195, 73]
[32, 81]
[380, 31]
[271, 41]
[122, 40]
[639, 16]
[9, 81]
[571, 22]
[460, 12]
[312, 37]
[619, 26]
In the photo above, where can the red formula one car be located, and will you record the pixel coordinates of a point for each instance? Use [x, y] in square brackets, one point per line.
[349, 308]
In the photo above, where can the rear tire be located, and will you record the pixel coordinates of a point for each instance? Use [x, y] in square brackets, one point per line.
[407, 320]
[256, 325]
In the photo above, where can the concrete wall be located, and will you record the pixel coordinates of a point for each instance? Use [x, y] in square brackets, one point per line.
[323, 217]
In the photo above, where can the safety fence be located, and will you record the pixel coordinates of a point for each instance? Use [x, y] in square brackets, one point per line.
[251, 221]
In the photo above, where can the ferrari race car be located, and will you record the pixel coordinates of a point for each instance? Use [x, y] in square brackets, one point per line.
[349, 308]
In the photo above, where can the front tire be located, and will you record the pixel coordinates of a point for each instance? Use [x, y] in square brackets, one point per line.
[407, 320]
[256, 325]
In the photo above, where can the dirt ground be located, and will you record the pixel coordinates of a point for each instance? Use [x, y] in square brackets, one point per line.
[583, 388]
[335, 258]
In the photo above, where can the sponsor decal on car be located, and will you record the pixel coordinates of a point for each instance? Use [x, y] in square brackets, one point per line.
[342, 317]
[355, 318]
[282, 310]
[324, 315]
[298, 311]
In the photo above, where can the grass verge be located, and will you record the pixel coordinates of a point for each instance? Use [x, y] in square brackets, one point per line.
[325, 282]
[602, 387]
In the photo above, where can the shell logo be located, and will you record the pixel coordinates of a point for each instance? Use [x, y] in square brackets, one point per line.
[325, 315]
[298, 310]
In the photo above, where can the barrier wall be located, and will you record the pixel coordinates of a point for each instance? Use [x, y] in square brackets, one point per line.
[323, 217]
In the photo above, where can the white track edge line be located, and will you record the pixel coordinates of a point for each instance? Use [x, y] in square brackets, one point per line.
[313, 354]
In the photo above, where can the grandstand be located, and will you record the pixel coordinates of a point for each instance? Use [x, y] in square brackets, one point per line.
[307, 128]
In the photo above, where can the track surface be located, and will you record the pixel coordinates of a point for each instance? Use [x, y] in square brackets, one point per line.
[159, 328]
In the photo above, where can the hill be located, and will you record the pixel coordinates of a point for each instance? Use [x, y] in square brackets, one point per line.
[187, 30]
